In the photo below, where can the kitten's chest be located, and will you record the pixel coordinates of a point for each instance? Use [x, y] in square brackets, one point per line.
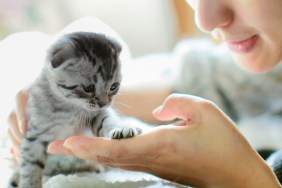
[65, 131]
[59, 125]
[77, 120]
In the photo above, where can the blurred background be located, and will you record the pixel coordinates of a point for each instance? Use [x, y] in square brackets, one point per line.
[147, 26]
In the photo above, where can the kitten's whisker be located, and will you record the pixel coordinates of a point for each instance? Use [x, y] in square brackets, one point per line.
[120, 93]
[118, 110]
[84, 116]
[123, 165]
[126, 105]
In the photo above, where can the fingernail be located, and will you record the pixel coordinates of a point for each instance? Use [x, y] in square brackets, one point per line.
[69, 147]
[77, 143]
[73, 143]
[23, 125]
[157, 110]
[58, 149]
[53, 150]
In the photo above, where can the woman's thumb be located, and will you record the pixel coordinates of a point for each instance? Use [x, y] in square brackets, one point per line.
[177, 106]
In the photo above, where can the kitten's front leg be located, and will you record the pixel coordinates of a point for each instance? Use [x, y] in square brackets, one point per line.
[110, 125]
[124, 132]
[33, 158]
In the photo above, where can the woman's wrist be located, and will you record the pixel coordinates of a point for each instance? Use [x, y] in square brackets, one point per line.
[253, 173]
[262, 176]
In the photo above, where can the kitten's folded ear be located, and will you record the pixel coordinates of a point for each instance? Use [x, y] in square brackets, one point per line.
[118, 48]
[115, 46]
[60, 52]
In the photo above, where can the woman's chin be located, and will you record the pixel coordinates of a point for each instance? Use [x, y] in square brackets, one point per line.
[257, 65]
[254, 69]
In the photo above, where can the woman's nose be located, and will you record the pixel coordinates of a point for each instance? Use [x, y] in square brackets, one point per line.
[212, 14]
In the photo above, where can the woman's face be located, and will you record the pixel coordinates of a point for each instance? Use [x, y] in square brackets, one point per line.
[252, 29]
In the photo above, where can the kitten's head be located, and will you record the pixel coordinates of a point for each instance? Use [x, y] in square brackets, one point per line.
[84, 69]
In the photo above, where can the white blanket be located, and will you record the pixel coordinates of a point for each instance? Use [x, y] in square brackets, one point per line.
[109, 178]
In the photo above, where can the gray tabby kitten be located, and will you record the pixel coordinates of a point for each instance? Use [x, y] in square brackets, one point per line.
[74, 92]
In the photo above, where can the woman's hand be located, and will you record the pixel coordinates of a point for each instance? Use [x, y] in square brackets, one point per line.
[204, 150]
[17, 124]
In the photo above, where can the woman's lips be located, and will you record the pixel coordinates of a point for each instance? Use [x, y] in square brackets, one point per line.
[243, 46]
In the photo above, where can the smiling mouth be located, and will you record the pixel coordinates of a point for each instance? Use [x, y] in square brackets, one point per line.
[243, 46]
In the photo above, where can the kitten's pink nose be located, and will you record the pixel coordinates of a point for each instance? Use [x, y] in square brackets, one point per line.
[103, 103]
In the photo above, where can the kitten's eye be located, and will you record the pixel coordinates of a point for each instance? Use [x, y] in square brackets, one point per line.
[68, 87]
[89, 89]
[114, 86]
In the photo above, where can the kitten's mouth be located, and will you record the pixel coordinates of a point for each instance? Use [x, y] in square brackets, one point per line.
[105, 106]
[92, 105]
[97, 105]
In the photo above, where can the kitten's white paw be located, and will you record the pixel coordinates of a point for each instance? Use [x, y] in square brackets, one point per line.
[125, 132]
[14, 181]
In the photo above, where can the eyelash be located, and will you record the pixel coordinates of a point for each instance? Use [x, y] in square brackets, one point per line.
[68, 87]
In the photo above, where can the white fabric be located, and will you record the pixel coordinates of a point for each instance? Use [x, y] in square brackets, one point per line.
[115, 178]
[110, 178]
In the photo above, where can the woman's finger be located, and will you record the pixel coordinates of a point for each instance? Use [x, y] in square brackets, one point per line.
[90, 147]
[16, 154]
[178, 106]
[21, 99]
[14, 141]
[13, 130]
[57, 147]
[14, 149]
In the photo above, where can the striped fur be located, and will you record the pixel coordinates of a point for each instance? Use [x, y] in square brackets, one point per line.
[73, 93]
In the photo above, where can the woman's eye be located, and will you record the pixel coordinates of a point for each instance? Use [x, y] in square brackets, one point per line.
[89, 89]
[114, 86]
